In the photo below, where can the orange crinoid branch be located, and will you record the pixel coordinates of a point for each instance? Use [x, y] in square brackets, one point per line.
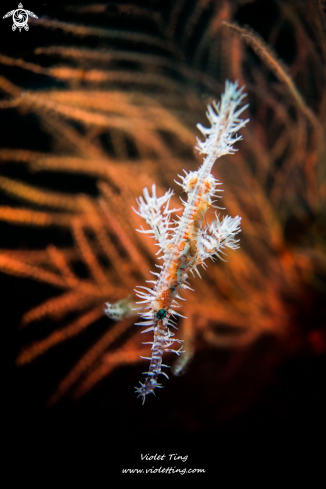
[90, 121]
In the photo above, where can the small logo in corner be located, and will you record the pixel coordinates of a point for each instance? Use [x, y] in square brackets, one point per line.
[20, 18]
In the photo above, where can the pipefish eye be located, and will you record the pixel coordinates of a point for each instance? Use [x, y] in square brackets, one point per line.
[161, 313]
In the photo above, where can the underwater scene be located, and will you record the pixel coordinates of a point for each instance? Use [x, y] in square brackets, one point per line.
[163, 162]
